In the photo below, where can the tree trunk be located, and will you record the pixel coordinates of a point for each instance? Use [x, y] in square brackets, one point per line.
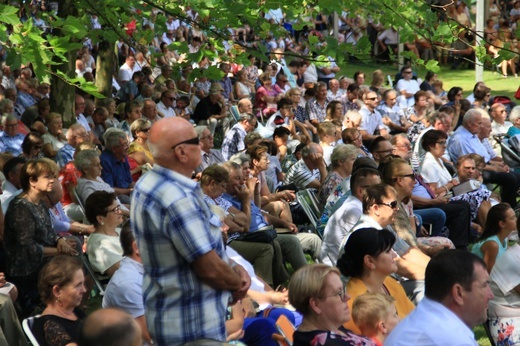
[105, 64]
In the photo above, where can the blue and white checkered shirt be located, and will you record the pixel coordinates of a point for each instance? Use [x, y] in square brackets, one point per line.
[173, 227]
[234, 141]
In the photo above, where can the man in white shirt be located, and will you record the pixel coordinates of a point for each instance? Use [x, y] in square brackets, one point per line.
[457, 293]
[371, 120]
[126, 71]
[342, 221]
[165, 106]
[407, 86]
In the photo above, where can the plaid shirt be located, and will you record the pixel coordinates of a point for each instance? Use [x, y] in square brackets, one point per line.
[314, 111]
[234, 141]
[174, 226]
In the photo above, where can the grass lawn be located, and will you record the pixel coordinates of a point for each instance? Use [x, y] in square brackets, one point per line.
[461, 78]
[480, 336]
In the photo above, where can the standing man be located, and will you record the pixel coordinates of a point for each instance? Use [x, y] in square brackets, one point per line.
[457, 293]
[188, 279]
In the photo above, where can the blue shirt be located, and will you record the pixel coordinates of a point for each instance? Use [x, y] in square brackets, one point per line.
[174, 227]
[464, 142]
[234, 141]
[115, 173]
[257, 219]
[25, 100]
[65, 155]
[10, 144]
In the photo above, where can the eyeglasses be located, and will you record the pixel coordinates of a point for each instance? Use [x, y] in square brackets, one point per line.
[392, 204]
[208, 136]
[411, 175]
[441, 143]
[145, 130]
[384, 151]
[371, 98]
[193, 141]
[115, 210]
[407, 72]
[342, 294]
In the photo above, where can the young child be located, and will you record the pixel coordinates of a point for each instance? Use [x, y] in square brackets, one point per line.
[375, 315]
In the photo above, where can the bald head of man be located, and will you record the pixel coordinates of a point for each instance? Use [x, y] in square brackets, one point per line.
[110, 327]
[175, 145]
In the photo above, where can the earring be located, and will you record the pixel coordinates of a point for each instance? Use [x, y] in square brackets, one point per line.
[58, 301]
[102, 223]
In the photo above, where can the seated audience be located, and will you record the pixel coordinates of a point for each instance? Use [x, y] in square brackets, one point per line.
[368, 262]
[139, 156]
[10, 138]
[62, 285]
[316, 291]
[132, 112]
[492, 243]
[11, 184]
[116, 168]
[234, 140]
[376, 315]
[310, 171]
[76, 134]
[103, 247]
[327, 136]
[209, 155]
[54, 139]
[32, 146]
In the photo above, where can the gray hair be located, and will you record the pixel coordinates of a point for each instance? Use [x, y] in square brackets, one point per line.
[309, 149]
[515, 114]
[9, 117]
[246, 116]
[112, 137]
[343, 152]
[199, 129]
[240, 158]
[470, 116]
[83, 159]
[4, 103]
[230, 166]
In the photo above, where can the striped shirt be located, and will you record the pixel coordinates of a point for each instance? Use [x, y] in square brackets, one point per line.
[174, 226]
[300, 175]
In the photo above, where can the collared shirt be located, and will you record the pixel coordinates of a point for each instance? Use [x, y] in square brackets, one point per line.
[444, 327]
[300, 175]
[227, 86]
[234, 141]
[370, 121]
[489, 148]
[336, 97]
[10, 144]
[24, 99]
[80, 119]
[167, 112]
[214, 156]
[174, 227]
[464, 142]
[411, 86]
[257, 218]
[391, 112]
[316, 111]
[8, 190]
[115, 173]
[348, 105]
[338, 226]
[497, 128]
[65, 155]
[125, 289]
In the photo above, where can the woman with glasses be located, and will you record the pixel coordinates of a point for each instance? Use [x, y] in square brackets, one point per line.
[139, 156]
[32, 146]
[399, 174]
[29, 238]
[317, 292]
[368, 262]
[492, 243]
[103, 247]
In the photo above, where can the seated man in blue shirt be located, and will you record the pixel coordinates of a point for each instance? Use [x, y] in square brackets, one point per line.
[465, 141]
[10, 139]
[116, 169]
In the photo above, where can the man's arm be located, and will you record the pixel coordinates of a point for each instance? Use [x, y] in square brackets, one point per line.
[213, 271]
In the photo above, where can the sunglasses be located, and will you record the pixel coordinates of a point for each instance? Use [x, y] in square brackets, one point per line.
[371, 98]
[411, 175]
[145, 130]
[193, 141]
[392, 204]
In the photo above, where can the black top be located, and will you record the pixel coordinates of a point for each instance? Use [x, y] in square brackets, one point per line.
[205, 109]
[51, 330]
[328, 338]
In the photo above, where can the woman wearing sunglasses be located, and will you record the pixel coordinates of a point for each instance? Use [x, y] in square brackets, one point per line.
[317, 292]
[139, 156]
[103, 247]
[398, 173]
[368, 262]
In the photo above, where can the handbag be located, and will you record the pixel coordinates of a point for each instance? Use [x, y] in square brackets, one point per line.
[266, 235]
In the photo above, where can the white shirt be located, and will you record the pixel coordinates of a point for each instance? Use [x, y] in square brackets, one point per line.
[411, 86]
[431, 323]
[338, 227]
[433, 171]
[370, 121]
[167, 112]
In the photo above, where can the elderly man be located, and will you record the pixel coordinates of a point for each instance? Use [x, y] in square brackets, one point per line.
[125, 289]
[310, 171]
[316, 107]
[371, 120]
[10, 139]
[109, 327]
[150, 111]
[75, 135]
[389, 110]
[234, 140]
[334, 93]
[212, 110]
[181, 245]
[165, 106]
[116, 169]
[465, 141]
[210, 156]
[457, 293]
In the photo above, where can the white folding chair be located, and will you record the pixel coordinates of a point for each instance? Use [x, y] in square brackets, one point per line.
[27, 325]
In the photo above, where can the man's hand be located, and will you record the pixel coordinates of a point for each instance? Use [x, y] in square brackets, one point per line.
[245, 280]
[291, 226]
[287, 195]
[317, 159]
[253, 184]
[242, 193]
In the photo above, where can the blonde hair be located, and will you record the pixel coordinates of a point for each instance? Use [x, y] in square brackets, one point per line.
[306, 283]
[369, 309]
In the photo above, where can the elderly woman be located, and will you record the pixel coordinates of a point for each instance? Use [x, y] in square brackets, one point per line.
[54, 139]
[132, 113]
[61, 285]
[399, 174]
[110, 105]
[32, 146]
[316, 291]
[139, 154]
[338, 180]
[368, 262]
[103, 246]
[514, 118]
[29, 238]
[88, 163]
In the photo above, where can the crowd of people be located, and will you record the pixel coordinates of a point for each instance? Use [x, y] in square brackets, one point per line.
[183, 194]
